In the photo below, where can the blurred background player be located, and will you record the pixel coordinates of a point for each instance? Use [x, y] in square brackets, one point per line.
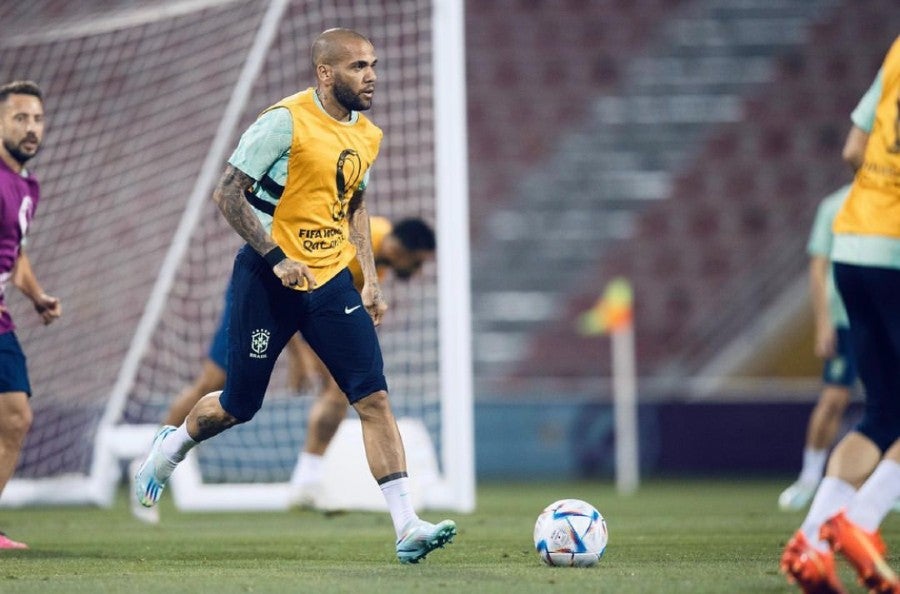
[832, 343]
[832, 327]
[21, 133]
[401, 249]
[862, 480]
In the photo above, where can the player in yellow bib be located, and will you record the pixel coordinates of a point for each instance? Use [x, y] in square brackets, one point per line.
[292, 276]
[862, 479]
[399, 250]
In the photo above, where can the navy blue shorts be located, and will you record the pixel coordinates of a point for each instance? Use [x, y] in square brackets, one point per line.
[264, 315]
[218, 350]
[872, 297]
[13, 370]
[840, 370]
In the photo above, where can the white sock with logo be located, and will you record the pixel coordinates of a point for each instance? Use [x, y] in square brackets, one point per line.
[177, 444]
[396, 494]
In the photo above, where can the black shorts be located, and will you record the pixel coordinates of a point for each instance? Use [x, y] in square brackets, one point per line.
[872, 297]
[264, 315]
[13, 369]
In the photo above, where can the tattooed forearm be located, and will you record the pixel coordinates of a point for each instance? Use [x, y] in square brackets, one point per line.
[361, 238]
[229, 196]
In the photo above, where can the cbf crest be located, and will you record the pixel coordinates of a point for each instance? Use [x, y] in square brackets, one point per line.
[259, 343]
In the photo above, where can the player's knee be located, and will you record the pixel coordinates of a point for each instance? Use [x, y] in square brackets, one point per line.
[337, 411]
[332, 393]
[330, 412]
[893, 452]
[15, 424]
[374, 405]
[834, 401]
[333, 399]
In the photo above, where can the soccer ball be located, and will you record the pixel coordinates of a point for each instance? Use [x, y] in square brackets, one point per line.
[570, 533]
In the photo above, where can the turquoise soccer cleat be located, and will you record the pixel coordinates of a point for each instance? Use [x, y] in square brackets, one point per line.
[148, 515]
[797, 496]
[151, 477]
[422, 537]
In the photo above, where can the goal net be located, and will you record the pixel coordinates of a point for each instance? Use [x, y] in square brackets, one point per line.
[145, 101]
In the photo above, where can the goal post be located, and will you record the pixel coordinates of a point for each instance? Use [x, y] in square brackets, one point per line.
[162, 337]
[451, 195]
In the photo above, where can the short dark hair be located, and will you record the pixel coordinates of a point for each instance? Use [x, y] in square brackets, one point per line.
[415, 234]
[20, 87]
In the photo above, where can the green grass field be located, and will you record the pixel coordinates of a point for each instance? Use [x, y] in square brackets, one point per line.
[686, 537]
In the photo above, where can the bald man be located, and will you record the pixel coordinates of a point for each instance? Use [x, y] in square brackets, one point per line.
[294, 190]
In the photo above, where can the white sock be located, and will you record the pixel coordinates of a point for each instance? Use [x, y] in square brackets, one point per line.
[832, 495]
[396, 494]
[308, 470]
[876, 497]
[813, 465]
[177, 444]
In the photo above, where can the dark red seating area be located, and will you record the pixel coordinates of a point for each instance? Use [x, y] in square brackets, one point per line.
[571, 50]
[732, 234]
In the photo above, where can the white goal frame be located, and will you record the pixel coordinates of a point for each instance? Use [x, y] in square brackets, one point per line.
[454, 487]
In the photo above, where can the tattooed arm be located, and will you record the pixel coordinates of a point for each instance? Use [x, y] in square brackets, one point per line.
[229, 196]
[360, 237]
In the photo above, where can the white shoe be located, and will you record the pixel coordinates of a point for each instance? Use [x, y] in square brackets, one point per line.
[147, 515]
[304, 496]
[797, 496]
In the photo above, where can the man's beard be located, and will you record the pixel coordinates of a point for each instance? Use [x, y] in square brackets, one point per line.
[348, 99]
[16, 153]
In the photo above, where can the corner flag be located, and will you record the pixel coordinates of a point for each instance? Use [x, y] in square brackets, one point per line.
[611, 313]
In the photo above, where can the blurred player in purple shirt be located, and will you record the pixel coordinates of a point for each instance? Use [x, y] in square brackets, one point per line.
[21, 131]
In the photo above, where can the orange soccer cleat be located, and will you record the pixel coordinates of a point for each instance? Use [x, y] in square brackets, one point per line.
[864, 550]
[812, 570]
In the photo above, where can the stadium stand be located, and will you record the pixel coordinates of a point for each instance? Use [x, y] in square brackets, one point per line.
[726, 236]
[533, 67]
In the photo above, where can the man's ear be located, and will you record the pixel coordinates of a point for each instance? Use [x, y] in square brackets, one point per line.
[324, 72]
